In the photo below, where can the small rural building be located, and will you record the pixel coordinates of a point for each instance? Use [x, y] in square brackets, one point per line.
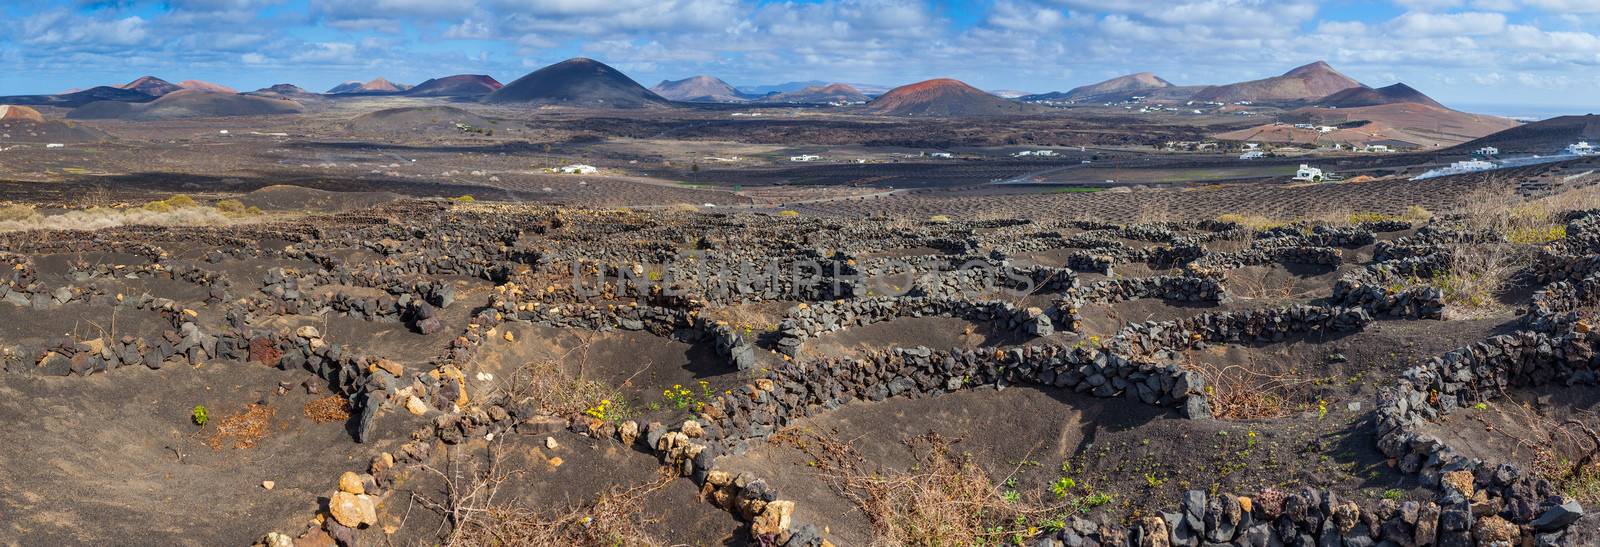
[578, 169]
[805, 157]
[1488, 151]
[1309, 174]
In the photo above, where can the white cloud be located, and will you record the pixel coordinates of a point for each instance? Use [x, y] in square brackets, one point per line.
[1451, 24]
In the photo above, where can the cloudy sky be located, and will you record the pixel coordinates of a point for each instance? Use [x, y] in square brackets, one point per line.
[1463, 52]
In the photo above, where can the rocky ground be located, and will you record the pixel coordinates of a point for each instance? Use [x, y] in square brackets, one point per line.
[296, 334]
[426, 371]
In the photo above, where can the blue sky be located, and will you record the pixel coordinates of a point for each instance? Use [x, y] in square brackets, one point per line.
[1477, 52]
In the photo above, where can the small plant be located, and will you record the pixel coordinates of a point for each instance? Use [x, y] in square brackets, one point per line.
[602, 411]
[1250, 439]
[1394, 494]
[199, 415]
[1322, 409]
[464, 198]
[788, 213]
[683, 398]
[941, 219]
[1480, 406]
[1063, 486]
[1152, 480]
[1094, 500]
[1011, 496]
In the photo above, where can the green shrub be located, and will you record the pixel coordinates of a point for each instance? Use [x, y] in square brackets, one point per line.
[232, 207]
[199, 415]
[181, 201]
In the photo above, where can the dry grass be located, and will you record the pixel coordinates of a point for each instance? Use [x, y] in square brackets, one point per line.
[1480, 271]
[558, 392]
[944, 499]
[1566, 452]
[613, 519]
[243, 429]
[1239, 393]
[333, 408]
[103, 217]
[1256, 283]
[476, 517]
[17, 212]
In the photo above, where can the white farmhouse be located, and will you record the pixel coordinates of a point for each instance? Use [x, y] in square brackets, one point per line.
[805, 157]
[1309, 174]
[941, 155]
[1581, 148]
[578, 169]
[1488, 151]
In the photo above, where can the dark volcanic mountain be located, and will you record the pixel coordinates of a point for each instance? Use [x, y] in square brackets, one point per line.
[577, 82]
[1306, 83]
[152, 86]
[23, 124]
[944, 97]
[1366, 96]
[1541, 137]
[187, 104]
[699, 89]
[831, 93]
[285, 91]
[376, 85]
[460, 85]
[80, 98]
[422, 121]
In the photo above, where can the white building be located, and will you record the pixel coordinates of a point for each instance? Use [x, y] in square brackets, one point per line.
[1488, 151]
[1304, 126]
[941, 155]
[578, 169]
[1582, 148]
[1326, 129]
[1309, 174]
[1045, 153]
[1253, 154]
[805, 157]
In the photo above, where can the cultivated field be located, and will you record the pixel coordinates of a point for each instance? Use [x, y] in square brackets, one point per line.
[340, 328]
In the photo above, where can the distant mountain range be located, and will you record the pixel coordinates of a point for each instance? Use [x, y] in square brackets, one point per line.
[787, 87]
[1314, 83]
[701, 89]
[376, 85]
[460, 85]
[820, 94]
